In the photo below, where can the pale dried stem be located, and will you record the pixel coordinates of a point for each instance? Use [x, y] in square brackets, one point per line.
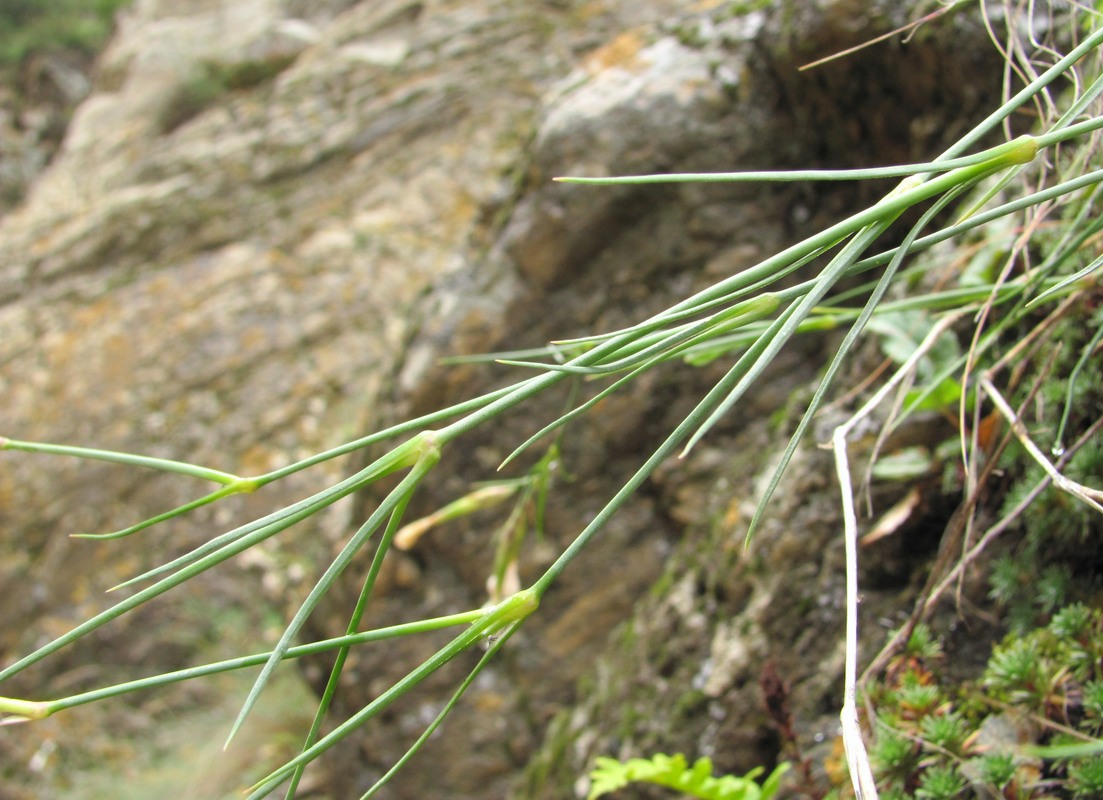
[928, 601]
[1093, 497]
[861, 773]
[1018, 249]
[993, 454]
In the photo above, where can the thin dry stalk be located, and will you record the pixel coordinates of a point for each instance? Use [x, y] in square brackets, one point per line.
[1086, 494]
[931, 598]
[861, 773]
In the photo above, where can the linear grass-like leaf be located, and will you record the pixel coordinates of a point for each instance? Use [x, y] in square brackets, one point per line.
[667, 448]
[783, 176]
[48, 708]
[390, 462]
[141, 597]
[431, 728]
[738, 289]
[398, 496]
[338, 667]
[841, 353]
[575, 412]
[1067, 282]
[497, 619]
[398, 458]
[424, 422]
[786, 325]
[1092, 178]
[667, 343]
[129, 459]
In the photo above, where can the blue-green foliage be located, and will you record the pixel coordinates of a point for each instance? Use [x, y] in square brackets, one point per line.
[674, 772]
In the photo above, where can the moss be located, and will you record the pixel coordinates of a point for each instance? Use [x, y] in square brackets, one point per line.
[742, 8]
[932, 726]
[211, 82]
[33, 26]
[551, 768]
[688, 704]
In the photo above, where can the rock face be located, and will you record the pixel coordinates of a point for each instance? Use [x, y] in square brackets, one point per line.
[270, 220]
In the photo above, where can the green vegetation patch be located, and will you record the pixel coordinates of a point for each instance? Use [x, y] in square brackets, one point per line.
[32, 26]
[1027, 728]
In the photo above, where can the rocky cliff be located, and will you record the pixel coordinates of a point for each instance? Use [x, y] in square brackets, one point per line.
[270, 221]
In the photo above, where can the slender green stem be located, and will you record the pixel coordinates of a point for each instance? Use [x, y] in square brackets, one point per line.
[666, 449]
[397, 459]
[492, 651]
[497, 619]
[428, 454]
[781, 333]
[875, 219]
[49, 707]
[206, 499]
[750, 289]
[575, 412]
[1018, 151]
[874, 302]
[237, 483]
[792, 176]
[354, 623]
[400, 457]
[234, 484]
[409, 426]
[983, 218]
[646, 348]
[1064, 133]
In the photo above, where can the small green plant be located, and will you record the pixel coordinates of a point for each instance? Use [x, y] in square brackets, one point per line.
[895, 758]
[922, 645]
[941, 783]
[998, 770]
[674, 772]
[1020, 672]
[1086, 778]
[1092, 699]
[929, 739]
[30, 26]
[946, 731]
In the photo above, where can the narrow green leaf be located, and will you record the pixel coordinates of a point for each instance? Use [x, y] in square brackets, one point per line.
[510, 610]
[844, 348]
[130, 459]
[498, 644]
[313, 648]
[338, 667]
[400, 494]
